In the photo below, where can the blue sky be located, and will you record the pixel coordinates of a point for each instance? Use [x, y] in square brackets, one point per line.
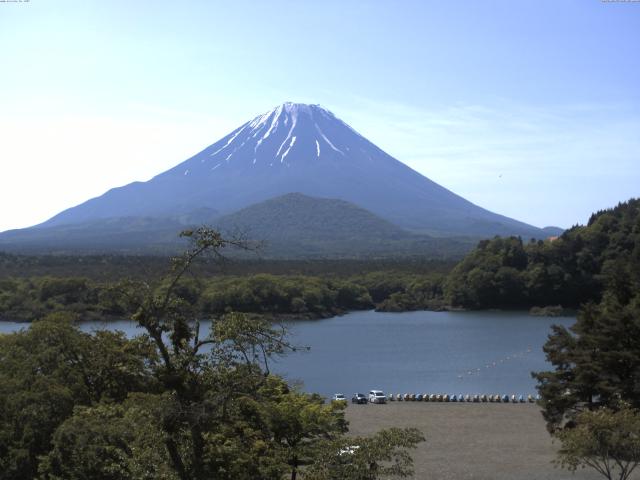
[530, 109]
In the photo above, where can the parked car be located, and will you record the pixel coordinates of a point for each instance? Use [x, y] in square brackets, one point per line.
[339, 397]
[359, 398]
[377, 396]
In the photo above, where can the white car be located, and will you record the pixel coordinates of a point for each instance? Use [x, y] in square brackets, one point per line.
[339, 397]
[377, 396]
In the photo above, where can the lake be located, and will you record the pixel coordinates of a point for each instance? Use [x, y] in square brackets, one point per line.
[415, 352]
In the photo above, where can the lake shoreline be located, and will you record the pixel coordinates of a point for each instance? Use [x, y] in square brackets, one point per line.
[305, 316]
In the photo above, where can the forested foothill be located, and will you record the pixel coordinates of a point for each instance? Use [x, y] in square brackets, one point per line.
[574, 268]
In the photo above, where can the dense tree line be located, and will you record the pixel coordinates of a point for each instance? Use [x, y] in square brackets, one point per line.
[284, 294]
[401, 291]
[111, 268]
[25, 299]
[171, 404]
[575, 268]
[22, 299]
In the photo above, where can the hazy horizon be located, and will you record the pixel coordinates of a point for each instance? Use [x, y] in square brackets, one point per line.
[530, 111]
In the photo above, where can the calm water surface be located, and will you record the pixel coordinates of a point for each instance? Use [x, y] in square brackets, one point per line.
[420, 352]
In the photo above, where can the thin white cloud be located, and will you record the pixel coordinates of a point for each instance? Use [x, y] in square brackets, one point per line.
[528, 162]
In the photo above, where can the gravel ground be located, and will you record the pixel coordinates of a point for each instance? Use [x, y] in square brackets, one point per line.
[471, 441]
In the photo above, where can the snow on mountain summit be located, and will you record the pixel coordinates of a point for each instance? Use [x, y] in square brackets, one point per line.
[287, 133]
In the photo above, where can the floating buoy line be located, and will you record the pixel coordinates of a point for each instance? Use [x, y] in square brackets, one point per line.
[472, 398]
[494, 364]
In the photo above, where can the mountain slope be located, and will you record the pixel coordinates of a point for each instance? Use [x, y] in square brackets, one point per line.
[298, 148]
[553, 231]
[295, 215]
[296, 225]
[140, 235]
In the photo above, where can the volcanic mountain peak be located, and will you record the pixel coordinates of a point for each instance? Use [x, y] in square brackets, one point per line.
[287, 115]
[285, 111]
[298, 148]
[277, 138]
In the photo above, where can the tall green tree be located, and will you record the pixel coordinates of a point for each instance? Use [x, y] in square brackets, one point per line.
[52, 367]
[607, 441]
[383, 455]
[300, 423]
[596, 362]
[110, 441]
[205, 389]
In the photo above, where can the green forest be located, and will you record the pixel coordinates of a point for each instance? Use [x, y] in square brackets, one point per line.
[577, 267]
[273, 296]
[544, 275]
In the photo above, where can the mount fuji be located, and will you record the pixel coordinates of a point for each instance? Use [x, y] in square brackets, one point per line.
[292, 148]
